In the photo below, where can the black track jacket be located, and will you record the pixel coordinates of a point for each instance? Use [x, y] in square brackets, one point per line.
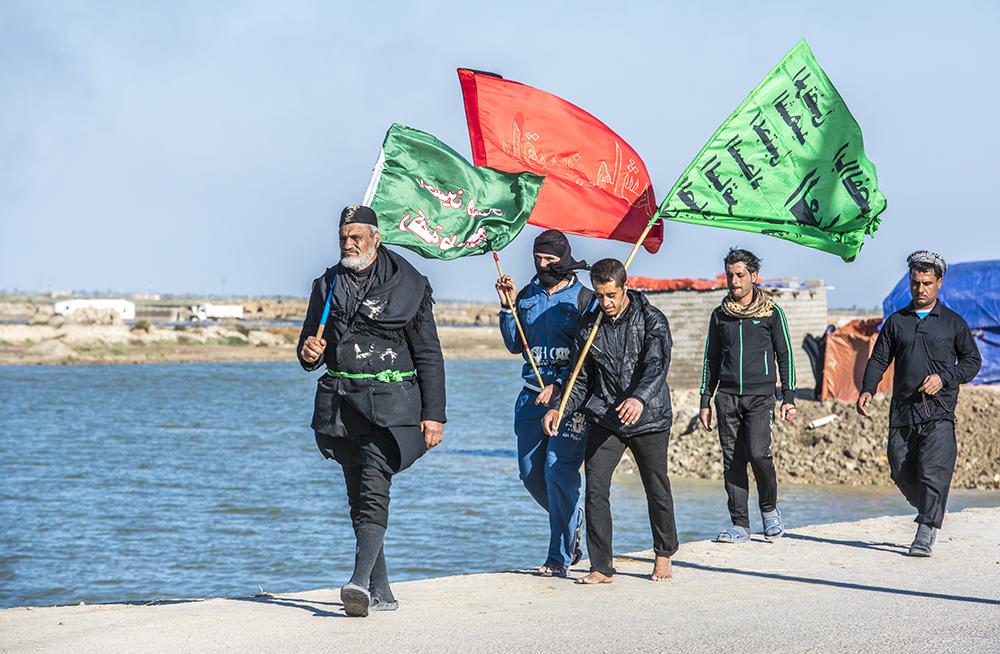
[740, 356]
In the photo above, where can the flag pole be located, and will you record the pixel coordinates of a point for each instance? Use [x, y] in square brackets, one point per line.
[520, 330]
[326, 310]
[597, 323]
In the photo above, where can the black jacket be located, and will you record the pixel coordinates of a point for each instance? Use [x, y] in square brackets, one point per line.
[740, 356]
[941, 343]
[392, 329]
[629, 358]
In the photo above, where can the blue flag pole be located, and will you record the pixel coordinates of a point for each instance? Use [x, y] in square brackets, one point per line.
[326, 309]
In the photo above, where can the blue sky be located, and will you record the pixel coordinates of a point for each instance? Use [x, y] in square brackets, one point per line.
[209, 146]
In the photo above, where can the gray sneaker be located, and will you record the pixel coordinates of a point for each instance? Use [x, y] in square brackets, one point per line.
[356, 600]
[923, 542]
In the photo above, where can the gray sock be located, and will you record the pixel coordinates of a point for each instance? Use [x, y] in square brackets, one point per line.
[379, 586]
[370, 537]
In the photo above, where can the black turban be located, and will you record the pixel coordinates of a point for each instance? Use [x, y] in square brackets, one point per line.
[358, 213]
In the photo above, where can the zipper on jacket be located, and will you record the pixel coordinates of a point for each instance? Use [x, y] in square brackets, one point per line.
[765, 362]
[741, 356]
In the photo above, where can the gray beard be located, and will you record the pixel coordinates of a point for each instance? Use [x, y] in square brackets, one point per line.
[358, 261]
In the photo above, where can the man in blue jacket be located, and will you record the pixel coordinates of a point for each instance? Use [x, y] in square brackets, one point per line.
[548, 308]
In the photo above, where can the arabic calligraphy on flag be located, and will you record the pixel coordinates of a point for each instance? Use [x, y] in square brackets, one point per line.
[432, 201]
[789, 163]
[595, 183]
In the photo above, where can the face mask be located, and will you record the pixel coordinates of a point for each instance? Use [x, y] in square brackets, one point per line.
[550, 276]
[555, 243]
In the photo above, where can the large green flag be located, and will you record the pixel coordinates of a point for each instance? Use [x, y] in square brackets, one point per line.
[789, 162]
[432, 201]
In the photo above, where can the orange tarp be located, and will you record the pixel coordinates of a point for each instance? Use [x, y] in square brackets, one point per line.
[681, 284]
[847, 352]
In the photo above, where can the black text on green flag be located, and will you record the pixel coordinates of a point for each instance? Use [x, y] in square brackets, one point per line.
[432, 201]
[789, 162]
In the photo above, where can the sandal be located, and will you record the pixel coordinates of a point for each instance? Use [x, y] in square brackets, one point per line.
[734, 534]
[552, 570]
[773, 526]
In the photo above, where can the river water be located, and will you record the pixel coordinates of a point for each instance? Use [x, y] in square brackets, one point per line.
[134, 483]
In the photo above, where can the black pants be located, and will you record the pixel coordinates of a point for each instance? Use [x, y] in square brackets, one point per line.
[922, 461]
[745, 436]
[604, 451]
[368, 455]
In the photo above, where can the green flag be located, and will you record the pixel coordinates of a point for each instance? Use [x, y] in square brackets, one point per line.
[432, 201]
[789, 162]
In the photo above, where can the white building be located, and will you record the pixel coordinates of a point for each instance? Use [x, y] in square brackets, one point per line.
[124, 308]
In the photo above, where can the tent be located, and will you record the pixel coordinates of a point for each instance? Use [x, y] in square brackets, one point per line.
[972, 290]
[846, 353]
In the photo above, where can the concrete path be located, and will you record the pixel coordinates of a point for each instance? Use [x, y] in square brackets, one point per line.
[834, 588]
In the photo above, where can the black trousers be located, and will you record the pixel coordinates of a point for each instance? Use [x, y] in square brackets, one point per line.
[921, 462]
[745, 437]
[368, 455]
[604, 450]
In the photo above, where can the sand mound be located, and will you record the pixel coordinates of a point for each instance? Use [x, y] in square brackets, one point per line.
[849, 450]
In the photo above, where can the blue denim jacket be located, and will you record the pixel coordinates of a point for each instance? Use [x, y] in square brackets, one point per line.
[549, 322]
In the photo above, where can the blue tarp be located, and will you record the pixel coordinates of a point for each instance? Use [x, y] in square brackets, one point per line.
[972, 290]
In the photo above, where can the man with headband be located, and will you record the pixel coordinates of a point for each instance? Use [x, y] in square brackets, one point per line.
[381, 403]
[934, 352]
[549, 307]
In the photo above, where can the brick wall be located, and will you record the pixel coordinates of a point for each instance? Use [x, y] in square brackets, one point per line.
[688, 313]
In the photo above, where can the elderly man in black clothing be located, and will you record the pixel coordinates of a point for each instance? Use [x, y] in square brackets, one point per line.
[622, 391]
[934, 352]
[381, 403]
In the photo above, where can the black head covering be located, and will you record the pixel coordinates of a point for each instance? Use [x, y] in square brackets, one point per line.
[358, 213]
[554, 242]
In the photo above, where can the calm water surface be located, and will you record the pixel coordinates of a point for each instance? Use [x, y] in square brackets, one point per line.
[132, 483]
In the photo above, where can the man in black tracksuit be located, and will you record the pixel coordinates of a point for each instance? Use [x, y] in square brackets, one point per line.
[934, 352]
[622, 391]
[746, 333]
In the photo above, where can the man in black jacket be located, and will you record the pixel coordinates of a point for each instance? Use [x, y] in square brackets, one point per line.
[746, 333]
[622, 390]
[381, 403]
[934, 352]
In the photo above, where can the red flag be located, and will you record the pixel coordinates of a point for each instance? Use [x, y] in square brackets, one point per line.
[595, 184]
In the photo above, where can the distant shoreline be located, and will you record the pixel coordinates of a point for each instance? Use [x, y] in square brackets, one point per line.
[120, 344]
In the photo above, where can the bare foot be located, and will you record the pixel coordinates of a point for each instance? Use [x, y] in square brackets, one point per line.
[663, 570]
[595, 578]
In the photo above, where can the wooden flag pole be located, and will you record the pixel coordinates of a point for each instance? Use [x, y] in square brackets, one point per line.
[520, 330]
[597, 324]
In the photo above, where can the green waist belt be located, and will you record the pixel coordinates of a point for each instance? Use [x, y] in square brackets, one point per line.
[385, 376]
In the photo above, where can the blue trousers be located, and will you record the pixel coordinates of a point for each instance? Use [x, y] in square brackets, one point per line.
[550, 470]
